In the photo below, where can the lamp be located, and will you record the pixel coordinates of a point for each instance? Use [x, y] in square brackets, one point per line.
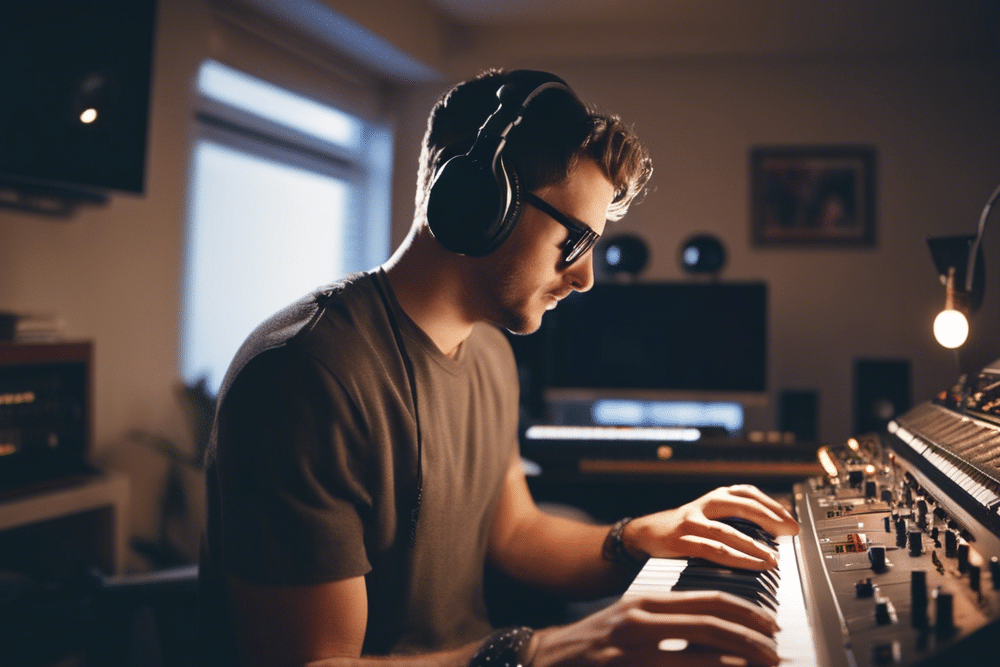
[951, 326]
[960, 265]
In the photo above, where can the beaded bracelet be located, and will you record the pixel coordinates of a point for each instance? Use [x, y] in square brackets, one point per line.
[504, 648]
[614, 547]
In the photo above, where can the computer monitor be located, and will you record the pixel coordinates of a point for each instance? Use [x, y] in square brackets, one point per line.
[658, 341]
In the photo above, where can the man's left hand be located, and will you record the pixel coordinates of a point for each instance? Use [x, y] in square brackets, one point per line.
[697, 530]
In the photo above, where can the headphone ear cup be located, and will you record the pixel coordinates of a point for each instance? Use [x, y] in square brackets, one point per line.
[468, 206]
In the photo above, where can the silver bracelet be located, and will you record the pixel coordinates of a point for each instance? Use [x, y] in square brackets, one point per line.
[504, 648]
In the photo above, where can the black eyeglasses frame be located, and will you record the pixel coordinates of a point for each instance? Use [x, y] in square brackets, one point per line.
[581, 237]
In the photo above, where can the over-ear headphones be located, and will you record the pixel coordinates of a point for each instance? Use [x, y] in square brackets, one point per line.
[475, 199]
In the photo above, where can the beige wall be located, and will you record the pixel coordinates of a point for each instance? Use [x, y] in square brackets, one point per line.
[113, 273]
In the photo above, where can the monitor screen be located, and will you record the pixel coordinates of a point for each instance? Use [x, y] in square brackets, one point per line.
[659, 339]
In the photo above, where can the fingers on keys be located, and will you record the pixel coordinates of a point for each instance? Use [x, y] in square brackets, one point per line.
[716, 603]
[699, 628]
[731, 550]
[751, 503]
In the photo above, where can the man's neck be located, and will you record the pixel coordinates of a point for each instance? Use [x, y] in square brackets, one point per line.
[428, 288]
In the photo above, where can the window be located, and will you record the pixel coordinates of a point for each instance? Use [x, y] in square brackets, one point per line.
[286, 194]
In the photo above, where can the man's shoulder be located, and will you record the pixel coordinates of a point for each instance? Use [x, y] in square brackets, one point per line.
[336, 325]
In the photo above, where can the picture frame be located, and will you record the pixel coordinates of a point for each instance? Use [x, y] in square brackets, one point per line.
[812, 195]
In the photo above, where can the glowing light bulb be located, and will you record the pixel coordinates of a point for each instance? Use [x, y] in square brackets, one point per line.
[88, 115]
[951, 328]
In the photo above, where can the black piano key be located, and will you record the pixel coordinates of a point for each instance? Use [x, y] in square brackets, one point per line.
[702, 584]
[759, 583]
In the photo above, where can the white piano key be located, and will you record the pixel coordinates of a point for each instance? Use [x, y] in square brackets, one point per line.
[796, 642]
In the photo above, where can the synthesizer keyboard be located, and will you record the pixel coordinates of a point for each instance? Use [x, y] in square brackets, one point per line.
[897, 562]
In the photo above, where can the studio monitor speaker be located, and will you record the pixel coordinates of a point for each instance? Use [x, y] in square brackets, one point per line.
[881, 392]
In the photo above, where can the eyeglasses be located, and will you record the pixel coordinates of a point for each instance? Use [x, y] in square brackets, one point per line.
[581, 237]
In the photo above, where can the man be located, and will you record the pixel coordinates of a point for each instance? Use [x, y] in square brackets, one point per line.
[364, 464]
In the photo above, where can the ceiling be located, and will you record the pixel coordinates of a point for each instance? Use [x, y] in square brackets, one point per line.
[456, 36]
[719, 27]
[494, 12]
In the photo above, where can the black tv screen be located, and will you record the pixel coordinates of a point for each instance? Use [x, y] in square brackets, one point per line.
[74, 93]
[671, 337]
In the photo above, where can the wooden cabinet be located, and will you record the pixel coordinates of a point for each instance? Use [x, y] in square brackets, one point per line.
[62, 530]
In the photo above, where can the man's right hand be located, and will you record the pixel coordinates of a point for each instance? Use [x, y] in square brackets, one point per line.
[717, 628]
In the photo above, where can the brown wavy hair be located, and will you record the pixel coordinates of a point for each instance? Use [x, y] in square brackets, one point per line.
[556, 132]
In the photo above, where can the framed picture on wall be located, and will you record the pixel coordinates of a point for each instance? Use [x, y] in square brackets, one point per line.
[812, 195]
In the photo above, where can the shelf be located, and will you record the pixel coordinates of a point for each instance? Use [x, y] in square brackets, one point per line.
[104, 492]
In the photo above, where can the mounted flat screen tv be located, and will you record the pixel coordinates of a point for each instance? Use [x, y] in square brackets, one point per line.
[667, 340]
[74, 93]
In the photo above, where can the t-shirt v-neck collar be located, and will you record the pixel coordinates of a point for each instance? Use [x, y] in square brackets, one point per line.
[412, 332]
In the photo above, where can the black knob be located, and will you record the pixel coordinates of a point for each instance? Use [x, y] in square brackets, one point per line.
[887, 495]
[887, 523]
[876, 556]
[950, 544]
[871, 490]
[995, 572]
[864, 588]
[944, 620]
[974, 577]
[855, 477]
[922, 506]
[882, 615]
[900, 532]
[963, 557]
[885, 653]
[918, 598]
[916, 543]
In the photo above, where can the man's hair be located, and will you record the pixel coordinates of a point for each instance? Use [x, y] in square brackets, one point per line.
[556, 132]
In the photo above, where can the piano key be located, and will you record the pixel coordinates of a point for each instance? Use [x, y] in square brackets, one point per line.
[796, 639]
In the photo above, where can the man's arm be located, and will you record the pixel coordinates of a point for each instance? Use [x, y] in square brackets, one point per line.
[548, 551]
[565, 555]
[321, 625]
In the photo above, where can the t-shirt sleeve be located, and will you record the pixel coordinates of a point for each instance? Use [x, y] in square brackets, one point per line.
[291, 459]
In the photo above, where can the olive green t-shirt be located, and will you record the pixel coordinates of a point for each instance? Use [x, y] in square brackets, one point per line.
[312, 468]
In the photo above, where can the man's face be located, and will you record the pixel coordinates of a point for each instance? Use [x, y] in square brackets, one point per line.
[526, 275]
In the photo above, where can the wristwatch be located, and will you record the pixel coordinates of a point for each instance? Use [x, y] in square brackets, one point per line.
[505, 648]
[614, 547]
